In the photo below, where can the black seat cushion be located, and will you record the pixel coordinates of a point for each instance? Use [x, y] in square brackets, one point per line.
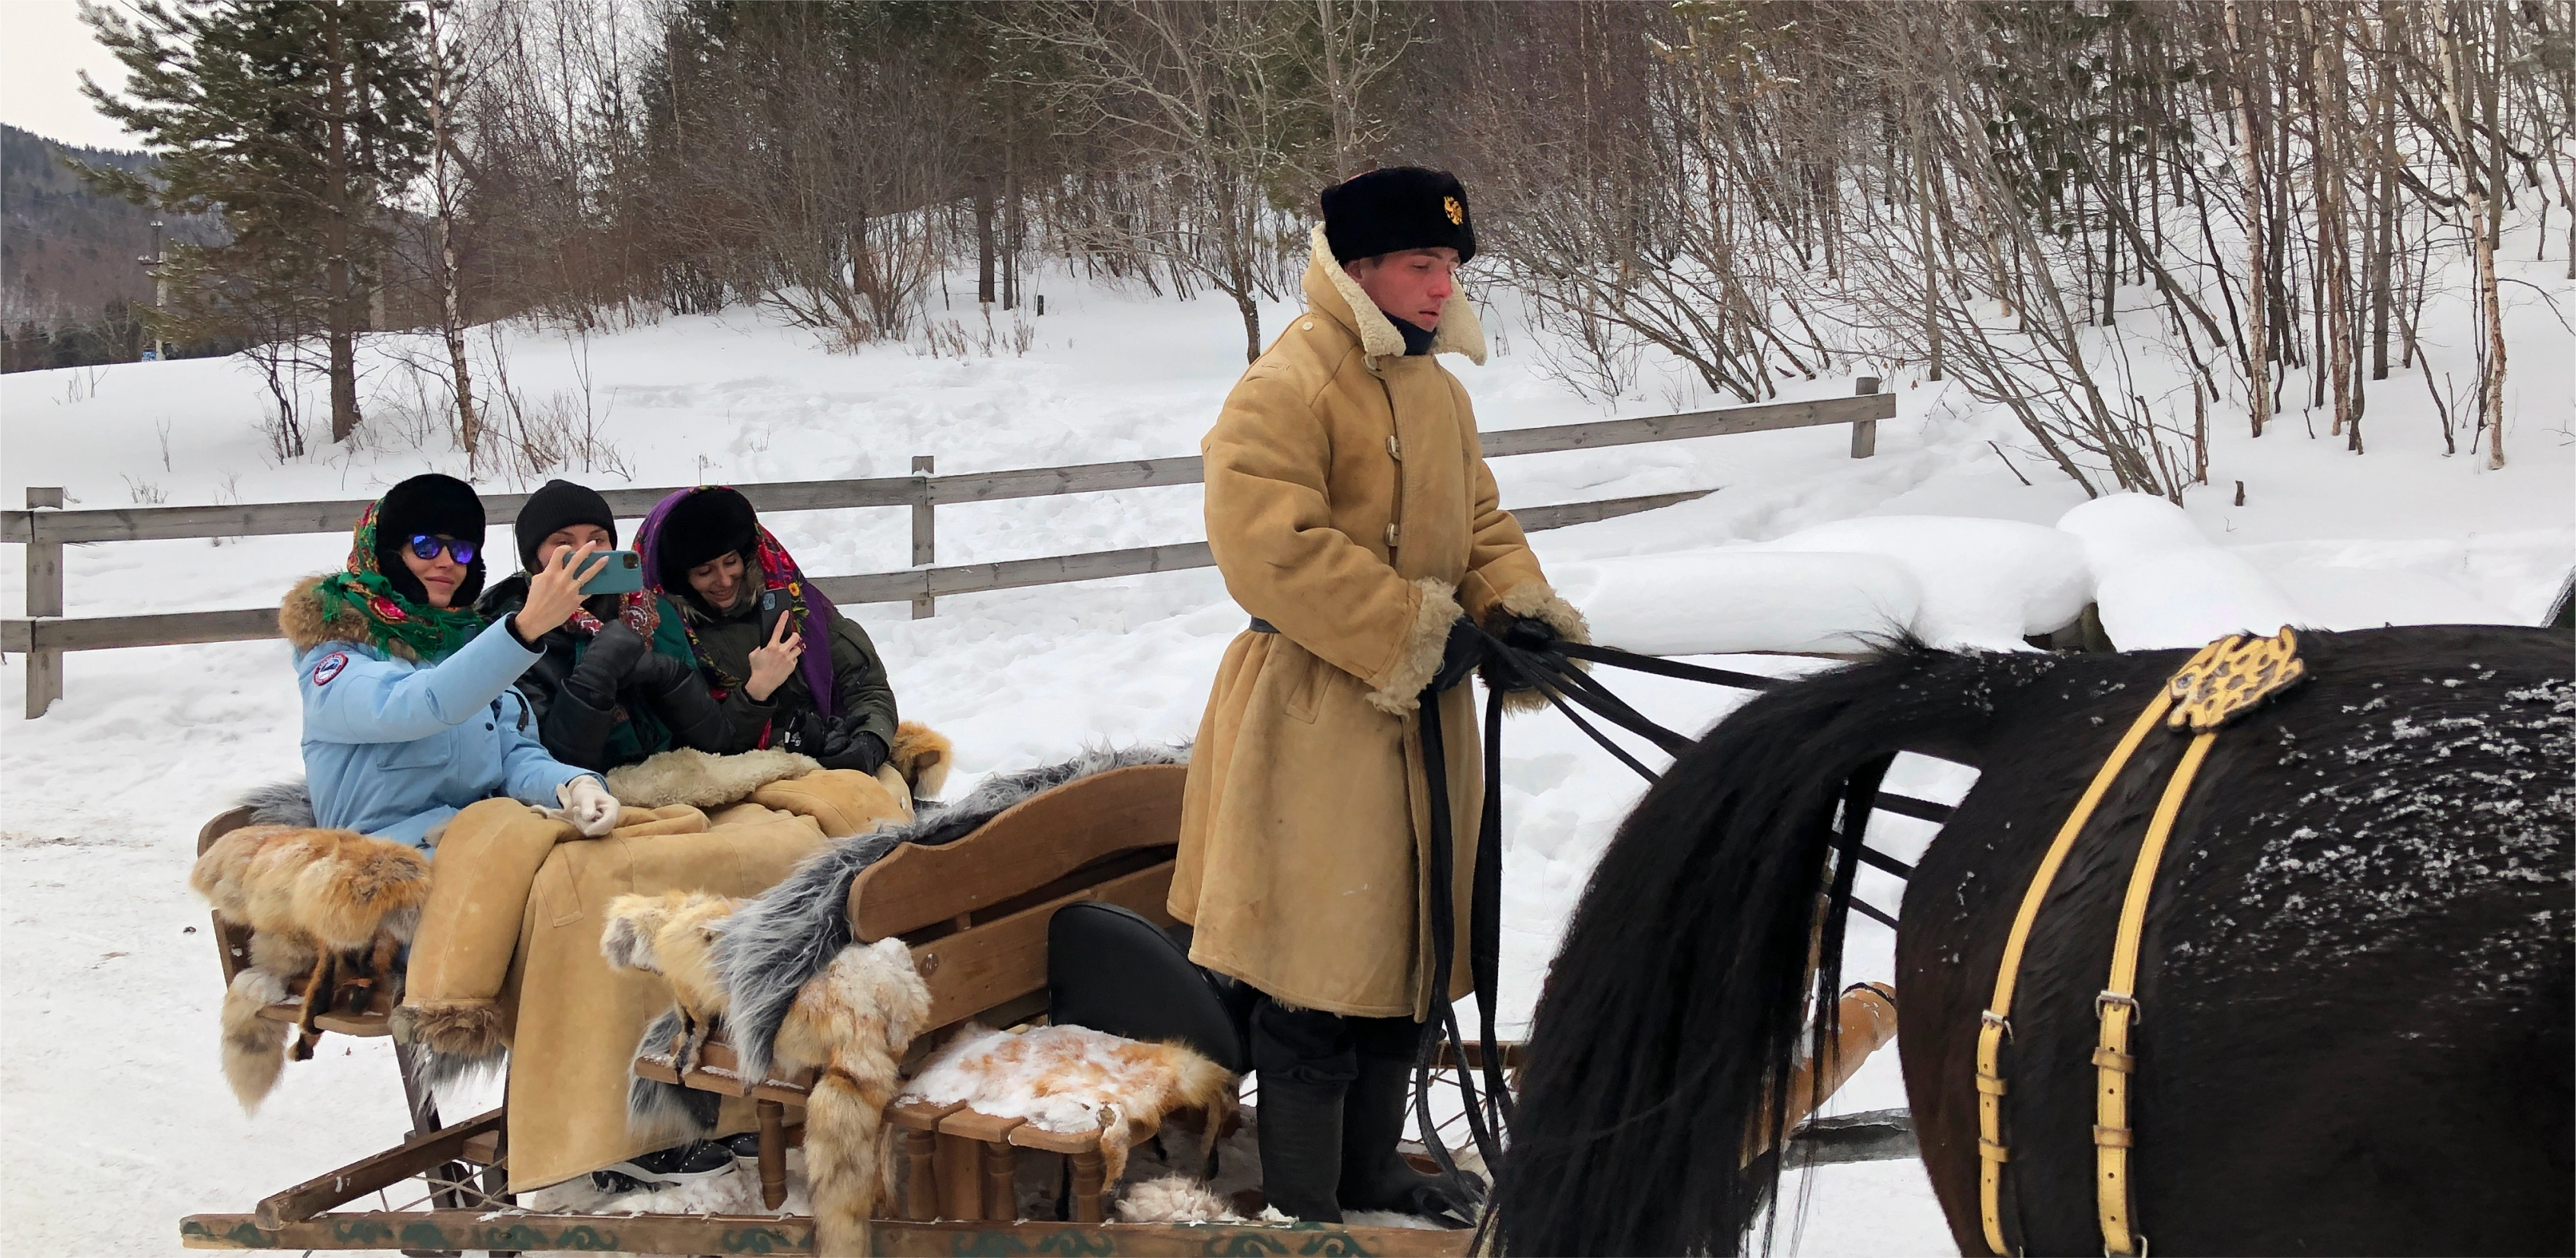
[1113, 970]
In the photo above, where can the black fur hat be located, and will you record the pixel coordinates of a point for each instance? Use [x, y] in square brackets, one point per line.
[438, 505]
[559, 505]
[702, 526]
[1399, 207]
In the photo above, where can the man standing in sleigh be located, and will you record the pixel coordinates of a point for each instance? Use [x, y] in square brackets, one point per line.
[1353, 516]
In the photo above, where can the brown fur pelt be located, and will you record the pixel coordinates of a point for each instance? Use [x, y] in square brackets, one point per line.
[923, 756]
[671, 934]
[851, 1024]
[328, 910]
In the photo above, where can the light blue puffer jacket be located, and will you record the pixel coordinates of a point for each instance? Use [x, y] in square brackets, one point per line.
[393, 747]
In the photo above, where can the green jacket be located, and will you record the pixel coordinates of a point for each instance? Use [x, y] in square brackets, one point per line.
[726, 642]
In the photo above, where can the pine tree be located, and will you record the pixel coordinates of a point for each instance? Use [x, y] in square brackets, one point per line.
[298, 120]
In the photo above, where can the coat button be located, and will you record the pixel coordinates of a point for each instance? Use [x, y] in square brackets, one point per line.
[1390, 537]
[1307, 326]
[487, 725]
[1394, 448]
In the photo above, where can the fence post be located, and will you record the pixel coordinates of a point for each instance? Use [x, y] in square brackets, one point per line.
[925, 542]
[44, 598]
[1864, 432]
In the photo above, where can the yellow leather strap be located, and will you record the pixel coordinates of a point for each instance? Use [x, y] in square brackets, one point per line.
[2118, 1006]
[1992, 1151]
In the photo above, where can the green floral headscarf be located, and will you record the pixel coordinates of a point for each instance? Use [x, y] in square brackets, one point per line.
[431, 633]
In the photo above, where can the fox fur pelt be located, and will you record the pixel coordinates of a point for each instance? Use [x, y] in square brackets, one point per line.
[1065, 1077]
[701, 780]
[672, 934]
[779, 940]
[318, 903]
[851, 1025]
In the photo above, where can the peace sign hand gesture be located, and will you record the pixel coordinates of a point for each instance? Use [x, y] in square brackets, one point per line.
[773, 664]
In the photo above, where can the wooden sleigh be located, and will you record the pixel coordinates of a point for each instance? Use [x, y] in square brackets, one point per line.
[975, 915]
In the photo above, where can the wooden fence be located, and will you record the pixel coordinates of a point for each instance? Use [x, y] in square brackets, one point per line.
[45, 528]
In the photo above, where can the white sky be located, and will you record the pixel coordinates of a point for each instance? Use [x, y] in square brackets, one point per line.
[43, 48]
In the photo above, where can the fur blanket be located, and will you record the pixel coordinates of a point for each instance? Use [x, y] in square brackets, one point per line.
[773, 944]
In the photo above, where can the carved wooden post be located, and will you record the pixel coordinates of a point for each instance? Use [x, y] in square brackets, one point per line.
[925, 545]
[1865, 432]
[921, 1182]
[44, 598]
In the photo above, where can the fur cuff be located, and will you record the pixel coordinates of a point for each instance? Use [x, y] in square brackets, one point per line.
[459, 1028]
[1418, 661]
[1540, 602]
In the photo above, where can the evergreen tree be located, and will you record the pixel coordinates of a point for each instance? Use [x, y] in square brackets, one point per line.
[297, 120]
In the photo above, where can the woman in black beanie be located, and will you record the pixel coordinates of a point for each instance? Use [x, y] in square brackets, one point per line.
[617, 682]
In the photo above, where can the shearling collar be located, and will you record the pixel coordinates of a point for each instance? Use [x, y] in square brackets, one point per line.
[300, 618]
[1331, 289]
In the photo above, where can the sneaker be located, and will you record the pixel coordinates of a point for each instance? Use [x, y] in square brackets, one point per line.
[744, 1144]
[680, 1164]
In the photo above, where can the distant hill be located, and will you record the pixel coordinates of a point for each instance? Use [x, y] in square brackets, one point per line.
[66, 252]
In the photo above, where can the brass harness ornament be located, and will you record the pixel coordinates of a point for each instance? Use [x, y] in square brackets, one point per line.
[2224, 681]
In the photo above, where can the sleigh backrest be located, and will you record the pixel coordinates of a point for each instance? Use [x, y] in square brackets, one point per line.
[232, 943]
[976, 910]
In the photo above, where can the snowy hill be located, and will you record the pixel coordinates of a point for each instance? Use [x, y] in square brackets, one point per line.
[107, 1063]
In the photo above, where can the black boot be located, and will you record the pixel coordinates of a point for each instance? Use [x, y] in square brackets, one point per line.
[1374, 1175]
[1300, 1125]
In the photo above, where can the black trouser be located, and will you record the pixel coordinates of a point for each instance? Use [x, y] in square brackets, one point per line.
[1311, 1046]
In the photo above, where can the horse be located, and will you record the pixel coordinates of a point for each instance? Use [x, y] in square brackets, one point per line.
[2354, 1026]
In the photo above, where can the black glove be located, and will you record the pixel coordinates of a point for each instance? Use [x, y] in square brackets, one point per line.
[1529, 633]
[1465, 650]
[603, 668]
[849, 747]
[804, 734]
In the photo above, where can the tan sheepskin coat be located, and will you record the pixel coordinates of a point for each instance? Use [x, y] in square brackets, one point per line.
[1348, 505]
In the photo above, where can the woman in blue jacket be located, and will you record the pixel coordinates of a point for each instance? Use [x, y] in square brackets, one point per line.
[409, 714]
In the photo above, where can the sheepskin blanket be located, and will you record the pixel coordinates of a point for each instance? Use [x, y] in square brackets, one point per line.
[774, 943]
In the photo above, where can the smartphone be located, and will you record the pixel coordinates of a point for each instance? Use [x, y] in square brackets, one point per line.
[623, 574]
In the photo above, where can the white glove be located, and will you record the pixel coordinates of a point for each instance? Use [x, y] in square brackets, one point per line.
[588, 806]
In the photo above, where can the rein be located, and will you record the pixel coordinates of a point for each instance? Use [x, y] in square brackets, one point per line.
[1550, 671]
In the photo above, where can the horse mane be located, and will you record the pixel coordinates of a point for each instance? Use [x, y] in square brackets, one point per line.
[1672, 1016]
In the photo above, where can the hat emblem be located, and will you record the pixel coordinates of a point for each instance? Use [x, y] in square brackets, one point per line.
[1457, 213]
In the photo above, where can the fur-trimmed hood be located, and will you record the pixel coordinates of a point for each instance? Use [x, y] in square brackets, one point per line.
[301, 618]
[1332, 291]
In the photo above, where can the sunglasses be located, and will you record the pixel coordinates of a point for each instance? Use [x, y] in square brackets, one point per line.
[424, 546]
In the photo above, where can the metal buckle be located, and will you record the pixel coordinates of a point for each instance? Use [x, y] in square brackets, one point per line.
[1991, 1018]
[2109, 997]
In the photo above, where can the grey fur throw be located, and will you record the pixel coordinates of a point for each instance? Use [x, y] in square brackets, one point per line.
[286, 803]
[772, 944]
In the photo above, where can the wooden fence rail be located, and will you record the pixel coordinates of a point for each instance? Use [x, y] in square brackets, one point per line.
[44, 528]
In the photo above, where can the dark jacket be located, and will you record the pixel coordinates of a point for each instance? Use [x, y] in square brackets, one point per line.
[599, 708]
[727, 639]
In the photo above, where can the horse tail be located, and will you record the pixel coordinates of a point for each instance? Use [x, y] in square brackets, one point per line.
[1671, 1018]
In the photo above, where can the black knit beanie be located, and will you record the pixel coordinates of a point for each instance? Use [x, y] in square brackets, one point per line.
[1399, 207]
[559, 505]
[700, 527]
[437, 505]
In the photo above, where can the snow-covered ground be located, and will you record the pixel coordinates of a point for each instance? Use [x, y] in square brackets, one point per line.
[118, 1118]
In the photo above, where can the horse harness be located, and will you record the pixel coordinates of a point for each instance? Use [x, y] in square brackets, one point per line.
[2226, 680]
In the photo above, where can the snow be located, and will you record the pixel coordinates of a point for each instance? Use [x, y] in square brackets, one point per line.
[108, 1071]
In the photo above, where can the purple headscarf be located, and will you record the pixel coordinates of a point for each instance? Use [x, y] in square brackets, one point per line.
[778, 571]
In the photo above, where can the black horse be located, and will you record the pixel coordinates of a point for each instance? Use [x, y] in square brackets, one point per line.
[2356, 1032]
